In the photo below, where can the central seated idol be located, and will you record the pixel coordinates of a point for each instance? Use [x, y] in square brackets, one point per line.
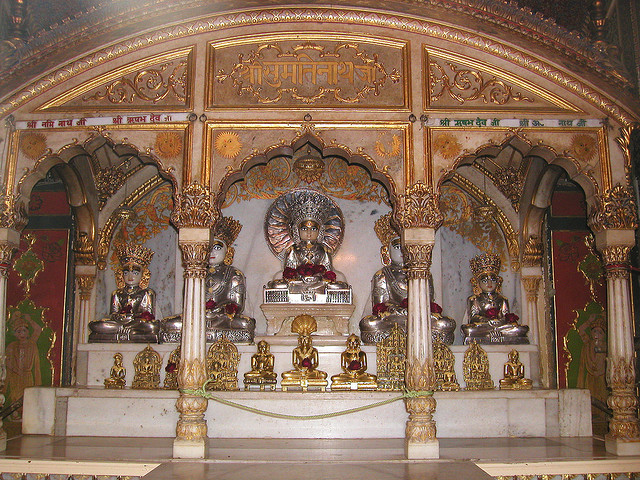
[304, 228]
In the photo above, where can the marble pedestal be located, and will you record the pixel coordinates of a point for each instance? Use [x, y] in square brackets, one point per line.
[332, 319]
[621, 448]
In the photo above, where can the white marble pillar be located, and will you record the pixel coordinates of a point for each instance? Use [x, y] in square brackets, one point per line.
[84, 309]
[624, 435]
[421, 441]
[531, 282]
[191, 430]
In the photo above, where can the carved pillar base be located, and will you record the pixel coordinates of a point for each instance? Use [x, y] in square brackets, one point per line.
[421, 441]
[621, 447]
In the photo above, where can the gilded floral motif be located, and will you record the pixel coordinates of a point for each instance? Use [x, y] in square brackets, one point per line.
[338, 179]
[419, 208]
[388, 148]
[615, 209]
[168, 144]
[467, 85]
[447, 146]
[194, 207]
[33, 144]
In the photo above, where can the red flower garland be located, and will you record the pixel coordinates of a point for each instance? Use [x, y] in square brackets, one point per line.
[379, 308]
[147, 316]
[354, 365]
[435, 308]
[492, 313]
[231, 308]
[512, 318]
[210, 305]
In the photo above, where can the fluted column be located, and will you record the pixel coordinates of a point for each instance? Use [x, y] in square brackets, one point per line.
[194, 215]
[614, 219]
[418, 214]
[421, 441]
[84, 310]
[191, 430]
[531, 285]
[624, 435]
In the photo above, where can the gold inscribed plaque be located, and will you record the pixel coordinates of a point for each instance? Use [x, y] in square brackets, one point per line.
[308, 70]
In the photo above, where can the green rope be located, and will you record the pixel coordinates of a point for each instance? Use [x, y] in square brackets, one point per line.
[202, 392]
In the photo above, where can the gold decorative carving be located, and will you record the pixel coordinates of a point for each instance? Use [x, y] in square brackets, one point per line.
[421, 427]
[12, 213]
[337, 178]
[308, 72]
[83, 249]
[532, 255]
[418, 208]
[584, 147]
[410, 24]
[194, 207]
[147, 365]
[475, 368]
[192, 373]
[616, 259]
[33, 144]
[195, 256]
[443, 365]
[227, 144]
[446, 145]
[6, 254]
[108, 182]
[622, 400]
[420, 374]
[388, 149]
[85, 285]
[467, 85]
[510, 182]
[531, 287]
[222, 365]
[624, 141]
[171, 370]
[150, 85]
[390, 360]
[418, 260]
[168, 144]
[615, 209]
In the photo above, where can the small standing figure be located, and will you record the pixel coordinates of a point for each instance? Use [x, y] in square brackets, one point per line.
[514, 374]
[23, 360]
[304, 358]
[354, 374]
[117, 374]
[261, 373]
[132, 315]
[487, 316]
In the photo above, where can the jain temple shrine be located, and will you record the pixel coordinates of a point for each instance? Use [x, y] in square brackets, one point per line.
[350, 240]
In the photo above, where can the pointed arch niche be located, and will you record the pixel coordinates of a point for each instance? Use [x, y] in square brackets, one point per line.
[496, 199]
[353, 181]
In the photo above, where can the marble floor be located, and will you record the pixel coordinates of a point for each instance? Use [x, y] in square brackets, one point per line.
[309, 459]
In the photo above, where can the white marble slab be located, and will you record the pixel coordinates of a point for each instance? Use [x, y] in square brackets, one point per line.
[151, 413]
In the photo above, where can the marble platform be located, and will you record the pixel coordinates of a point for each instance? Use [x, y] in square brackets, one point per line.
[95, 360]
[151, 413]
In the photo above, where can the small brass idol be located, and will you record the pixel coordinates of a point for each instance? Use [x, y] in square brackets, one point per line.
[147, 369]
[444, 362]
[391, 354]
[514, 374]
[354, 374]
[222, 365]
[261, 373]
[171, 370]
[117, 374]
[304, 358]
[476, 368]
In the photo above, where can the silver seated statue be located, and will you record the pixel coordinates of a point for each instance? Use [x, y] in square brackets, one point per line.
[487, 317]
[132, 312]
[389, 294]
[225, 289]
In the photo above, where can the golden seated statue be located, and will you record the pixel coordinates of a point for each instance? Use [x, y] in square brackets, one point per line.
[514, 374]
[354, 374]
[261, 373]
[304, 358]
[117, 374]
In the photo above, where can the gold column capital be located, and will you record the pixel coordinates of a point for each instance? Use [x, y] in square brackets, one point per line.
[616, 260]
[195, 207]
[532, 253]
[85, 284]
[531, 287]
[419, 208]
[195, 256]
[615, 209]
[418, 260]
